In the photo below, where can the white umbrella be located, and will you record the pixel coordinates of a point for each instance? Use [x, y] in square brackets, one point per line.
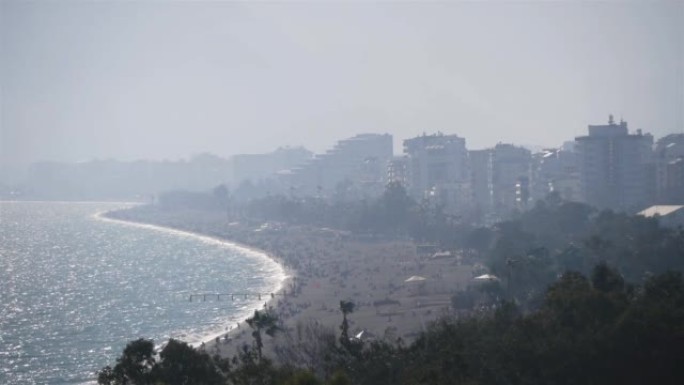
[487, 277]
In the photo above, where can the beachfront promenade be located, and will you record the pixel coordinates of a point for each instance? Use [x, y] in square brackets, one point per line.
[326, 267]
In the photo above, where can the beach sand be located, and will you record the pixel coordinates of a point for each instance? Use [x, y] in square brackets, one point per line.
[328, 266]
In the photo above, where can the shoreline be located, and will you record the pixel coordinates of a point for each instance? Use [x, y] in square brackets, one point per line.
[330, 266]
[285, 274]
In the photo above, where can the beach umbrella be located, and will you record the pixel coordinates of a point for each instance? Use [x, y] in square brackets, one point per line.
[416, 279]
[364, 335]
[486, 277]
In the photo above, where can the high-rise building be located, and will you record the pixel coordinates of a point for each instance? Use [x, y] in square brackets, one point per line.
[616, 167]
[511, 178]
[398, 171]
[501, 180]
[555, 170]
[669, 159]
[360, 162]
[438, 170]
[481, 173]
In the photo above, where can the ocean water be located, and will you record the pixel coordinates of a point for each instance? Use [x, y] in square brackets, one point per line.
[75, 288]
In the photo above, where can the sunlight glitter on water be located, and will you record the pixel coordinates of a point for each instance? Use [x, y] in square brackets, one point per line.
[76, 289]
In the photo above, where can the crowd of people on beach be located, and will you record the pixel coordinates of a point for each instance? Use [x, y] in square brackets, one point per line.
[326, 267]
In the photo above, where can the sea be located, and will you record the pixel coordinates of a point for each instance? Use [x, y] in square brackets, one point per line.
[76, 287]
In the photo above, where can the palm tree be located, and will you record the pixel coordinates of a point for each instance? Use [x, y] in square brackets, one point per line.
[266, 321]
[346, 307]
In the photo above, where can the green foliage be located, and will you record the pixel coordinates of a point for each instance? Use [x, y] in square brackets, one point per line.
[250, 369]
[376, 364]
[178, 364]
[302, 378]
[181, 199]
[339, 378]
[346, 307]
[582, 298]
[586, 331]
[393, 214]
[133, 367]
[262, 321]
[527, 253]
[582, 334]
[310, 346]
[530, 251]
[463, 300]
[606, 279]
[479, 240]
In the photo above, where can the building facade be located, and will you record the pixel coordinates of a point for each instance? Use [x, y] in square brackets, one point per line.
[437, 168]
[616, 167]
[398, 171]
[359, 163]
[481, 176]
[669, 167]
[256, 167]
[555, 170]
[511, 178]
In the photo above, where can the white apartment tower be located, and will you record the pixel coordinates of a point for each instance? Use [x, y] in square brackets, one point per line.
[438, 170]
[615, 167]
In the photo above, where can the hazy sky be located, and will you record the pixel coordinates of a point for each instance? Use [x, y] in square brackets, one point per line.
[159, 79]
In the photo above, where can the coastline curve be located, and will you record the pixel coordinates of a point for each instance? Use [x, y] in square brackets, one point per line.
[251, 252]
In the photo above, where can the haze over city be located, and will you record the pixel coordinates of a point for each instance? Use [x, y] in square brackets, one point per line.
[341, 193]
[166, 80]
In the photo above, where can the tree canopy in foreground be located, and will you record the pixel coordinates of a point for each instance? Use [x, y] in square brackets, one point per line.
[588, 330]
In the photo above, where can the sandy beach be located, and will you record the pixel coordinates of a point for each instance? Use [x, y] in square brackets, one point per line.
[396, 291]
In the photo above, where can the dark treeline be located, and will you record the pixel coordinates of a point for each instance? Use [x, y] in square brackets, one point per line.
[597, 330]
[392, 214]
[530, 251]
[217, 199]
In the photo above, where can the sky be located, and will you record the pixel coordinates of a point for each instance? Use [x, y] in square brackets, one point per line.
[82, 80]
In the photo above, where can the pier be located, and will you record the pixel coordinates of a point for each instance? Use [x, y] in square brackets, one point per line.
[217, 296]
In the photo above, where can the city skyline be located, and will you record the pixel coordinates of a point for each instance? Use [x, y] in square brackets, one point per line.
[168, 80]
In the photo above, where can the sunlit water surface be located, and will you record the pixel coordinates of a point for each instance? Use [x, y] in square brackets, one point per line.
[74, 289]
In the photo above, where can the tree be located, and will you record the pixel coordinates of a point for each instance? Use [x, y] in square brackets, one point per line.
[650, 334]
[180, 364]
[391, 213]
[346, 307]
[133, 367]
[606, 279]
[266, 321]
[310, 345]
[479, 240]
[339, 378]
[302, 378]
[250, 370]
